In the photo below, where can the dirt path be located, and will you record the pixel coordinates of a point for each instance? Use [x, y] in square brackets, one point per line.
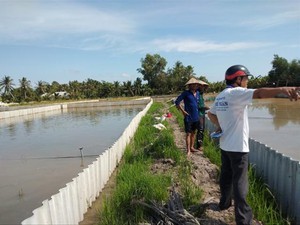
[204, 174]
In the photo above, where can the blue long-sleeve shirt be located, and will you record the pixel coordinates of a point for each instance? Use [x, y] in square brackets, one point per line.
[190, 105]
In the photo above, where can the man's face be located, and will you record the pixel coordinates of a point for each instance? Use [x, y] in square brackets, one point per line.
[193, 87]
[243, 81]
[202, 87]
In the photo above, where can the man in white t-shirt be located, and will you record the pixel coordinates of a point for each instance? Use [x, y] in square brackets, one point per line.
[229, 113]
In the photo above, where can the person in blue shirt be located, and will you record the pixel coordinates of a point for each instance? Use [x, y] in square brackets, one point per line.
[190, 112]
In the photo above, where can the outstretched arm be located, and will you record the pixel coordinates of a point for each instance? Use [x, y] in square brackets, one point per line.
[293, 93]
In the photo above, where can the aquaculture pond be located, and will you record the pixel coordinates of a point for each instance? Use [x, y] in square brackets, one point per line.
[40, 153]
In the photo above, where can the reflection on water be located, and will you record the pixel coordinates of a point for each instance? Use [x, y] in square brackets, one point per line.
[10, 125]
[40, 153]
[276, 122]
[282, 111]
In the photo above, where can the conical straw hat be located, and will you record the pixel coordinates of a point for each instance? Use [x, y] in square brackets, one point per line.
[192, 81]
[203, 83]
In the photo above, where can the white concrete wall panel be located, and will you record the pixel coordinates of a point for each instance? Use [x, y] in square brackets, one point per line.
[41, 215]
[29, 111]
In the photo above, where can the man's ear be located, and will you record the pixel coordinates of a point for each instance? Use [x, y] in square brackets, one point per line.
[238, 81]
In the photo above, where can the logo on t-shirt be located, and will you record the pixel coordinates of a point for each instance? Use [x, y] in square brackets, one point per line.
[221, 104]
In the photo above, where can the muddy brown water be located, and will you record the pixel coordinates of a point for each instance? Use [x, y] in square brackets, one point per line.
[276, 123]
[40, 153]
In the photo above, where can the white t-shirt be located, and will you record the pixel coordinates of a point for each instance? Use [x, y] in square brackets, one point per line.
[231, 108]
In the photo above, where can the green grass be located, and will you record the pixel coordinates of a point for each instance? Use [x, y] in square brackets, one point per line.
[263, 202]
[211, 151]
[135, 180]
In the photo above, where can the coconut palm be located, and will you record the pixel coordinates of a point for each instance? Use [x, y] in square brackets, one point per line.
[41, 87]
[117, 89]
[7, 86]
[137, 86]
[25, 87]
[128, 88]
[75, 89]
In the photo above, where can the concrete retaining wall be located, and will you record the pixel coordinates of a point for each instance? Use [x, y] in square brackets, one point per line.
[25, 112]
[141, 101]
[92, 103]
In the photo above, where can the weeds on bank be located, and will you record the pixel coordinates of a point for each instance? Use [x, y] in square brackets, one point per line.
[260, 198]
[135, 181]
[263, 202]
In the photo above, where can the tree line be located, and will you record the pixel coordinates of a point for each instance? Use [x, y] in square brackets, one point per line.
[158, 81]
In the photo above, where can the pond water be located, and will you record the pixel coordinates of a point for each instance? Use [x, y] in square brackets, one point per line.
[276, 123]
[40, 153]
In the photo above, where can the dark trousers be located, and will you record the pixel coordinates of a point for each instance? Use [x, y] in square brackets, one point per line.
[200, 132]
[234, 182]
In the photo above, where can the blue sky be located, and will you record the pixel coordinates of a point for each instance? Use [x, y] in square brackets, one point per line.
[105, 40]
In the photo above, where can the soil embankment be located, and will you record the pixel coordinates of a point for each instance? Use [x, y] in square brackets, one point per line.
[204, 174]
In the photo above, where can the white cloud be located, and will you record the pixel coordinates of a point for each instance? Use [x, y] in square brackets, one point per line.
[125, 75]
[269, 21]
[196, 46]
[33, 20]
[102, 42]
[89, 26]
[292, 46]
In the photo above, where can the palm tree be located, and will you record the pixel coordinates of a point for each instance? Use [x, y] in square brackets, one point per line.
[24, 87]
[106, 90]
[41, 87]
[128, 88]
[137, 86]
[74, 88]
[117, 89]
[91, 88]
[7, 85]
[55, 87]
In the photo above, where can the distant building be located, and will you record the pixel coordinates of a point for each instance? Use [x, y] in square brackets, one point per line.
[57, 94]
[2, 104]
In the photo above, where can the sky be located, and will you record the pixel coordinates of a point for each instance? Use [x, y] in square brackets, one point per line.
[106, 40]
